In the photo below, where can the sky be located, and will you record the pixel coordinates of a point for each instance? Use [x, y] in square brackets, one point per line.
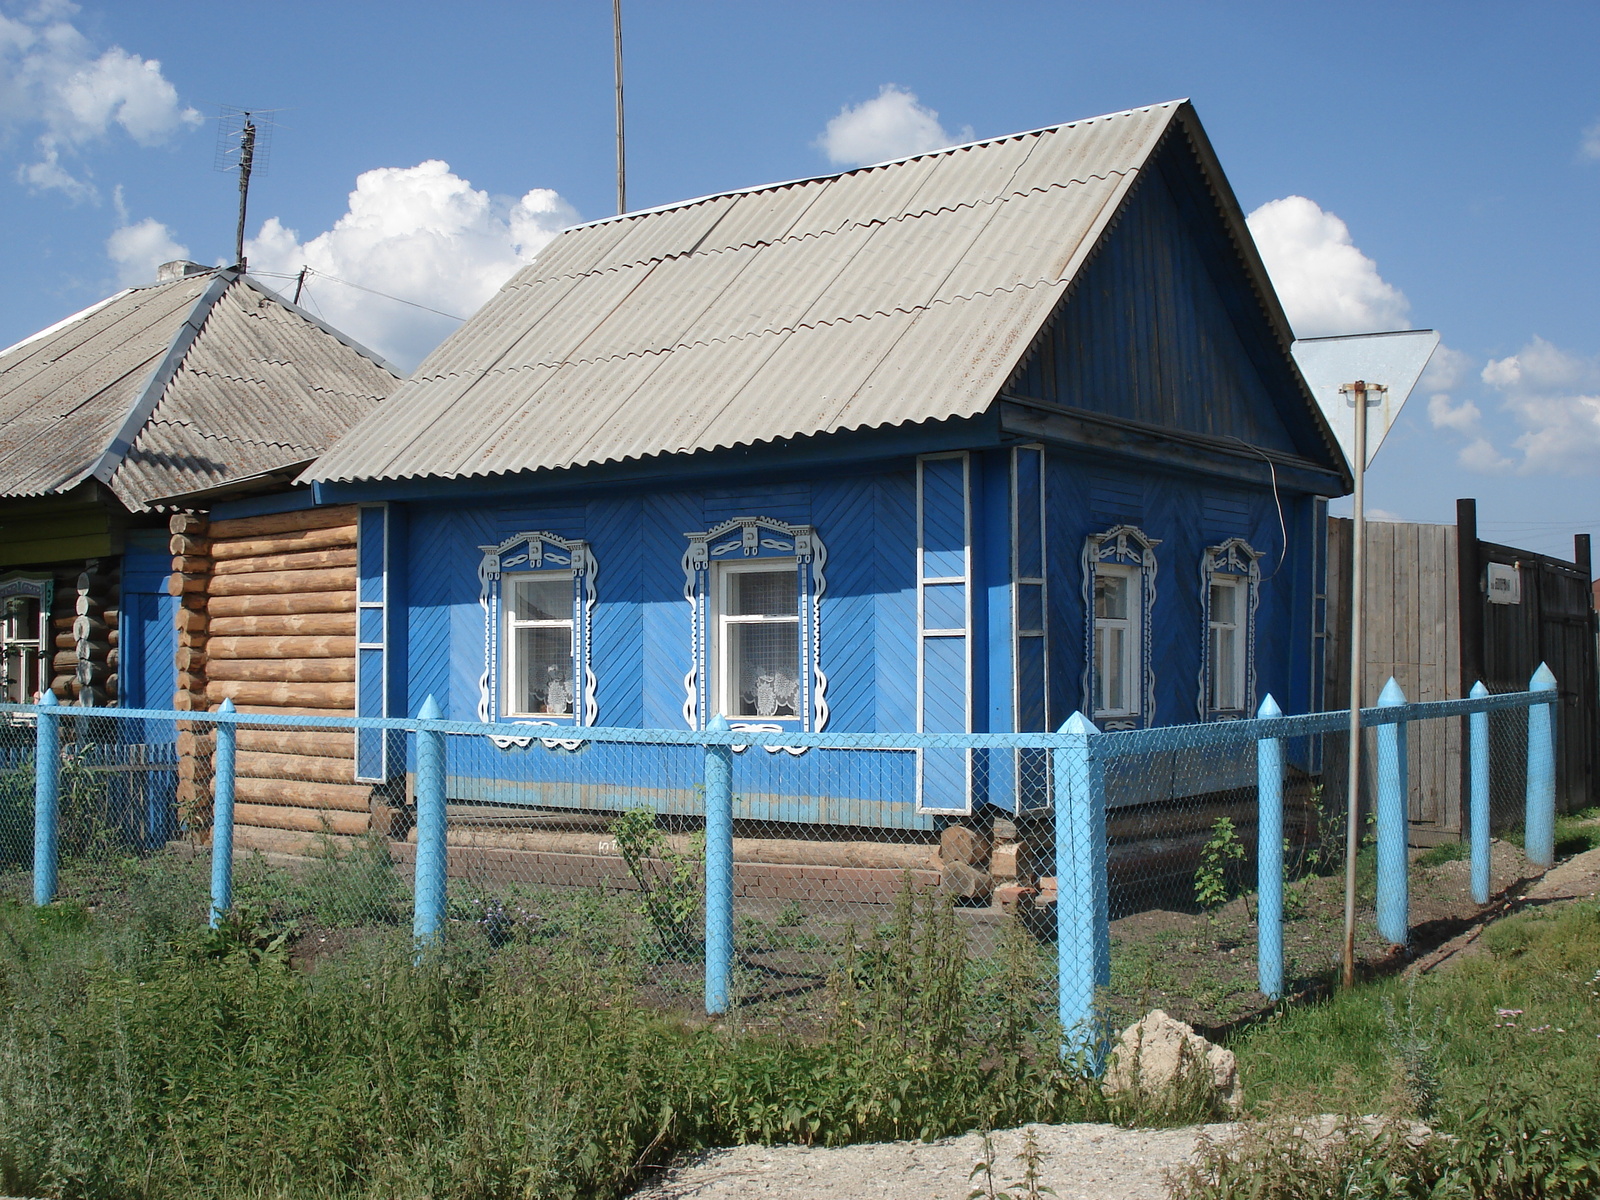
[1404, 166]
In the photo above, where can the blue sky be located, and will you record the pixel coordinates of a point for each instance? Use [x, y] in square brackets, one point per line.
[1432, 165]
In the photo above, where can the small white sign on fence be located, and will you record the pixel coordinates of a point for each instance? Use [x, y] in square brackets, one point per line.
[1503, 584]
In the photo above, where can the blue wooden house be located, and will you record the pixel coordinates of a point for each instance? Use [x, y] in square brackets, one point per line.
[961, 442]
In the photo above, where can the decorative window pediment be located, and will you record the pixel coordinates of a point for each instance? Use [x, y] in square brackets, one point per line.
[755, 629]
[537, 592]
[1230, 593]
[1119, 597]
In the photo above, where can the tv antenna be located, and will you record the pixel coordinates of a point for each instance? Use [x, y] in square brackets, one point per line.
[244, 144]
[622, 156]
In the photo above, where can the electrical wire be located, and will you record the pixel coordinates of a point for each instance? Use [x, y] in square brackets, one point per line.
[359, 287]
[1283, 526]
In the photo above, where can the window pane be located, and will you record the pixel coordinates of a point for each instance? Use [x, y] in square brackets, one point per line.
[548, 599]
[1223, 599]
[765, 661]
[543, 682]
[1111, 596]
[1110, 659]
[764, 593]
[1225, 668]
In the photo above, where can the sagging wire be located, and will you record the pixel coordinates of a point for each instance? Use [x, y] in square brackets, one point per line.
[1283, 526]
[308, 272]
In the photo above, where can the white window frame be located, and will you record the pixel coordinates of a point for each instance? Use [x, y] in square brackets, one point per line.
[534, 553]
[1232, 672]
[1123, 547]
[40, 589]
[508, 645]
[758, 542]
[1130, 625]
[1237, 564]
[724, 684]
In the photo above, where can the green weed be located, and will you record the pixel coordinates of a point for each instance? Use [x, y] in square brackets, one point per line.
[1219, 857]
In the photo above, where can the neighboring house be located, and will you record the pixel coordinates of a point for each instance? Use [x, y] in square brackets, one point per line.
[202, 379]
[961, 442]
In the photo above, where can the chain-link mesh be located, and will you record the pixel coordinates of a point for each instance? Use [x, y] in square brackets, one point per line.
[560, 837]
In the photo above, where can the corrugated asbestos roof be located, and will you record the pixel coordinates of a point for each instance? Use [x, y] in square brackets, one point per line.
[896, 293]
[178, 386]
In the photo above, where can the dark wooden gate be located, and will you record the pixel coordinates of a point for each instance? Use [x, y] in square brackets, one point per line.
[1554, 623]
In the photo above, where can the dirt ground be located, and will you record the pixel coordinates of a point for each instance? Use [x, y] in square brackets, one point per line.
[1080, 1162]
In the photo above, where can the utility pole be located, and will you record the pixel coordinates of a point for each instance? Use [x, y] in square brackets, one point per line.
[1360, 390]
[247, 154]
[622, 156]
[300, 283]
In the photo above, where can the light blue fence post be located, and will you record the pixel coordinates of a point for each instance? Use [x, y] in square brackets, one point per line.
[1540, 830]
[46, 799]
[222, 817]
[1394, 899]
[1478, 737]
[719, 870]
[428, 913]
[1269, 858]
[1083, 928]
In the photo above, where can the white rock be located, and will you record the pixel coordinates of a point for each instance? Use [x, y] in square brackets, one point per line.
[1158, 1055]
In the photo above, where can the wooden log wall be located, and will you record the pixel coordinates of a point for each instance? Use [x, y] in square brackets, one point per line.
[269, 622]
[85, 612]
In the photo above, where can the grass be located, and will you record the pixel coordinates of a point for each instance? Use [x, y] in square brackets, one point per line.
[142, 1056]
[1499, 1053]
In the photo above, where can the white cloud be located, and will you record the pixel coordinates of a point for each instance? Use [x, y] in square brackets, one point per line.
[1554, 397]
[1480, 455]
[53, 81]
[1589, 144]
[1326, 284]
[1448, 369]
[890, 125]
[421, 233]
[139, 247]
[1445, 414]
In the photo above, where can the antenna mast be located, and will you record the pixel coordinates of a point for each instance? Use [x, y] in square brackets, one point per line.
[247, 155]
[622, 157]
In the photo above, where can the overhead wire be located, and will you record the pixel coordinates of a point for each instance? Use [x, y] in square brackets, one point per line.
[361, 287]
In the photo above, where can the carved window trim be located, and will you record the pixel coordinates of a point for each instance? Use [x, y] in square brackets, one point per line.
[1234, 559]
[745, 539]
[1127, 546]
[40, 588]
[525, 553]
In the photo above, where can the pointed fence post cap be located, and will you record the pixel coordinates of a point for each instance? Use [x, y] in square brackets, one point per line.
[1269, 707]
[430, 710]
[1478, 690]
[49, 698]
[226, 705]
[1392, 693]
[1079, 724]
[718, 724]
[1544, 679]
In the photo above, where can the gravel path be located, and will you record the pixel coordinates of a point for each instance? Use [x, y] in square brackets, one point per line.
[1081, 1162]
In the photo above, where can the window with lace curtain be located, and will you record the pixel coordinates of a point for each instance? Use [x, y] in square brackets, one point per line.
[758, 639]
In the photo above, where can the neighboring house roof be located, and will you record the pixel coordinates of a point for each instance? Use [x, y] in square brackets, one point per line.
[181, 385]
[898, 293]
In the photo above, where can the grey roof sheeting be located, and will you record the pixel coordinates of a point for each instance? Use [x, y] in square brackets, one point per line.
[178, 386]
[897, 293]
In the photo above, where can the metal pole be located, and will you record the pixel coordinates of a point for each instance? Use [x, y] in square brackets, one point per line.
[247, 154]
[1358, 540]
[1269, 858]
[1540, 830]
[1394, 897]
[622, 155]
[1083, 929]
[46, 799]
[1478, 730]
[719, 870]
[428, 912]
[222, 817]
